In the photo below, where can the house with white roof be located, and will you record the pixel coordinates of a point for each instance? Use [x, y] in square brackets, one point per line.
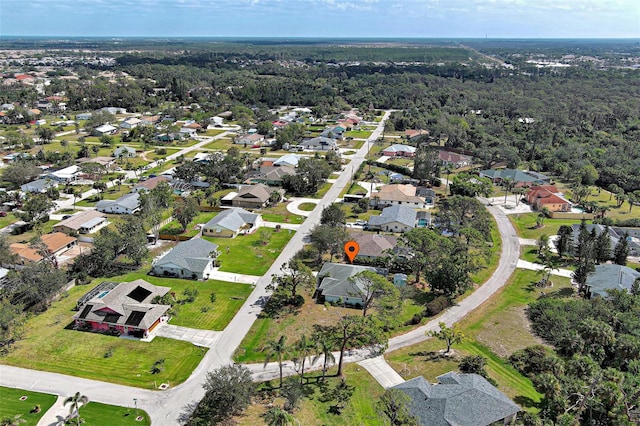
[231, 222]
[105, 129]
[124, 152]
[399, 150]
[130, 123]
[67, 174]
[39, 186]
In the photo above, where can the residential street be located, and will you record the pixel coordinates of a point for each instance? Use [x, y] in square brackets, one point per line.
[165, 407]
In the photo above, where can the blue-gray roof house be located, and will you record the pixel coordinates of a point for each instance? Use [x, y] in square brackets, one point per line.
[335, 285]
[526, 177]
[320, 143]
[231, 222]
[193, 259]
[458, 400]
[397, 218]
[610, 277]
[127, 204]
[39, 186]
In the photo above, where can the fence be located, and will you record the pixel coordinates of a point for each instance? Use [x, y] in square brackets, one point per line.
[567, 215]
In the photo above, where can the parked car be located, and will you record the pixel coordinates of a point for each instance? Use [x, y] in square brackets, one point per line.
[361, 222]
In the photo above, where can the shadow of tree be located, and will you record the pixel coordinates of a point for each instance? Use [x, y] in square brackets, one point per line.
[525, 401]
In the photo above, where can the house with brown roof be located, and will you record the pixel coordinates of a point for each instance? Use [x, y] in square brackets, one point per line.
[147, 120]
[149, 184]
[254, 196]
[372, 245]
[57, 243]
[85, 222]
[122, 308]
[547, 196]
[415, 133]
[397, 194]
[454, 159]
[250, 139]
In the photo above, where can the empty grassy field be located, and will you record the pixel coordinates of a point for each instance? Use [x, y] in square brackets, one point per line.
[201, 313]
[279, 213]
[247, 255]
[50, 344]
[525, 225]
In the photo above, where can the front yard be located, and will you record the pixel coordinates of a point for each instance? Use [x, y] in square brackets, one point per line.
[525, 225]
[174, 227]
[11, 405]
[246, 254]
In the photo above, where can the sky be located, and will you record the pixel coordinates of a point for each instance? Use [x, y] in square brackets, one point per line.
[323, 18]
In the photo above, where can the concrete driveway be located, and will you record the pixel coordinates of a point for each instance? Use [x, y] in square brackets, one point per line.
[294, 203]
[206, 338]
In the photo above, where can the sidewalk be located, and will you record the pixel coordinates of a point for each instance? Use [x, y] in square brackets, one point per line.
[56, 414]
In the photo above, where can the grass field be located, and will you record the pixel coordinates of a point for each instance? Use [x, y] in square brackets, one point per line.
[201, 314]
[174, 227]
[279, 213]
[358, 134]
[525, 225]
[247, 255]
[483, 274]
[10, 404]
[222, 144]
[307, 207]
[322, 190]
[97, 414]
[112, 193]
[50, 345]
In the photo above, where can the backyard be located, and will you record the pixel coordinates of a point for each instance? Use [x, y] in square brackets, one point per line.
[174, 227]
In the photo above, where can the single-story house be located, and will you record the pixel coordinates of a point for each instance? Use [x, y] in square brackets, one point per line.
[231, 222]
[68, 174]
[84, 116]
[453, 159]
[336, 132]
[187, 131]
[428, 194]
[194, 259]
[149, 184]
[413, 134]
[149, 120]
[372, 245]
[85, 222]
[39, 186]
[319, 143]
[57, 243]
[397, 218]
[125, 308]
[458, 399]
[399, 150]
[103, 161]
[609, 277]
[105, 129]
[127, 204]
[615, 235]
[291, 160]
[547, 196]
[397, 194]
[124, 152]
[523, 177]
[335, 285]
[633, 238]
[270, 175]
[217, 121]
[254, 196]
[250, 139]
[130, 123]
[114, 110]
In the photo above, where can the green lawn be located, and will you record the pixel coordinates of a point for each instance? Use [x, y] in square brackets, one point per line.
[323, 190]
[247, 255]
[97, 414]
[112, 193]
[525, 225]
[7, 220]
[485, 273]
[213, 132]
[174, 227]
[201, 314]
[50, 345]
[307, 207]
[358, 134]
[222, 144]
[279, 213]
[10, 404]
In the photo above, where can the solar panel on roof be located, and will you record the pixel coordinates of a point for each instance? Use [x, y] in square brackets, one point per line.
[139, 294]
[85, 311]
[134, 318]
[112, 318]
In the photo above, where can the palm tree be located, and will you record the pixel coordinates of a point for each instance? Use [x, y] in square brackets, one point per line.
[12, 421]
[78, 400]
[508, 185]
[325, 348]
[276, 349]
[303, 347]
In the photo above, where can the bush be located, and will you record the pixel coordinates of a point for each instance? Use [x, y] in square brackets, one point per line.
[415, 320]
[213, 297]
[437, 305]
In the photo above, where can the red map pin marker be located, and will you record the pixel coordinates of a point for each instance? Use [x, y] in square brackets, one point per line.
[351, 248]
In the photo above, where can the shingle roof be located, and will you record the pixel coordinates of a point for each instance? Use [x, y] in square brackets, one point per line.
[258, 191]
[608, 277]
[192, 255]
[39, 185]
[288, 160]
[335, 279]
[515, 175]
[373, 244]
[126, 304]
[129, 201]
[398, 192]
[400, 148]
[318, 141]
[232, 219]
[77, 221]
[458, 399]
[396, 213]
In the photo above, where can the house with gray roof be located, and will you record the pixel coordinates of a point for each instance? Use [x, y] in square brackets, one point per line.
[194, 259]
[39, 186]
[123, 308]
[615, 235]
[458, 400]
[231, 222]
[124, 152]
[399, 150]
[254, 196]
[290, 160]
[610, 277]
[397, 218]
[335, 285]
[127, 204]
[372, 245]
[522, 177]
[320, 143]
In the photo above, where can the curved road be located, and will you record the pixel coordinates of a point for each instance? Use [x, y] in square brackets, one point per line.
[165, 407]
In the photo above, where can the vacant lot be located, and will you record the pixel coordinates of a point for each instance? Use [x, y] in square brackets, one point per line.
[525, 225]
[246, 254]
[11, 405]
[174, 227]
[50, 344]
